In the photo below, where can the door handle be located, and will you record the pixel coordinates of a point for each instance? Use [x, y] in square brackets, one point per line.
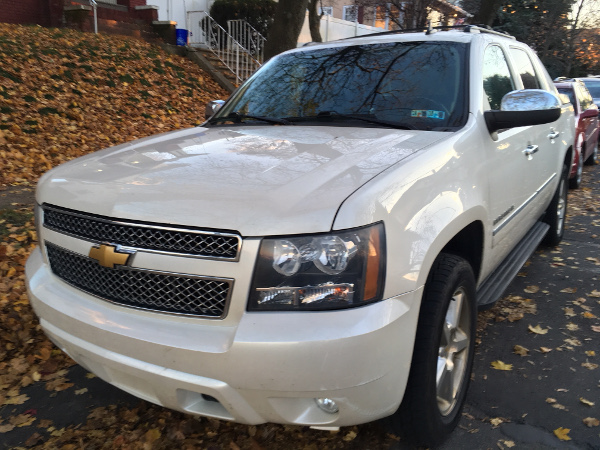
[530, 150]
[553, 134]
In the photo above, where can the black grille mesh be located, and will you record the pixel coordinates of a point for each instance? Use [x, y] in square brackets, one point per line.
[141, 236]
[140, 288]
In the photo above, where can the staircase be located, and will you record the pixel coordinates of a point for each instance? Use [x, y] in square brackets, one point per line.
[223, 50]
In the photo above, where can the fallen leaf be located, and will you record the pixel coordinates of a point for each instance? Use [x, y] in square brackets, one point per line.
[81, 391]
[562, 433]
[572, 327]
[571, 290]
[519, 350]
[16, 400]
[496, 421]
[531, 289]
[589, 365]
[499, 365]
[589, 315]
[550, 400]
[350, 436]
[591, 422]
[545, 349]
[538, 330]
[6, 428]
[586, 402]
[590, 353]
[596, 328]
[594, 293]
[152, 435]
[569, 312]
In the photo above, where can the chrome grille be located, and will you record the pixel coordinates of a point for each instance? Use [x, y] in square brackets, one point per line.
[152, 237]
[164, 292]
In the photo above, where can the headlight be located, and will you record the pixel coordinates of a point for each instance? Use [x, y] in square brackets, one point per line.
[325, 271]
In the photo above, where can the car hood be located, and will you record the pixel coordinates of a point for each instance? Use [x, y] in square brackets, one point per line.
[255, 180]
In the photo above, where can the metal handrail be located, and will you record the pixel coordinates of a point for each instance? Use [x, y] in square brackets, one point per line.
[206, 33]
[249, 37]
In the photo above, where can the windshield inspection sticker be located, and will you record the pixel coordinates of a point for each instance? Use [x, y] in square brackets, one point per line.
[429, 113]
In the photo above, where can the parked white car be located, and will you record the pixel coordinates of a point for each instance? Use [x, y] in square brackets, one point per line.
[315, 253]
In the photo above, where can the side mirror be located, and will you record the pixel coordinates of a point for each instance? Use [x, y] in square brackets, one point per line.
[524, 108]
[212, 108]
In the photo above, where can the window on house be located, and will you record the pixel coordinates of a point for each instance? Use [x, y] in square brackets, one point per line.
[326, 10]
[350, 13]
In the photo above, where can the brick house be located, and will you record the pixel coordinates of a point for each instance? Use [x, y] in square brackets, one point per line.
[114, 16]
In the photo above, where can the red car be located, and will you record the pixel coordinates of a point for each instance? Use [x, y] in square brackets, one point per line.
[586, 126]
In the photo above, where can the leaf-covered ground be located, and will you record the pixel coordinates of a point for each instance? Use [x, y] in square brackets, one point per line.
[64, 94]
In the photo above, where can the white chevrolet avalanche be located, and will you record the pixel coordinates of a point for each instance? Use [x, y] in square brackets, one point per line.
[315, 253]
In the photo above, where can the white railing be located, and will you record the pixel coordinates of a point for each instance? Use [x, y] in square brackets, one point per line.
[206, 33]
[248, 37]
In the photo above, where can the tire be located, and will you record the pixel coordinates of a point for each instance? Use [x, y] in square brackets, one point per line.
[575, 182]
[557, 212]
[443, 355]
[593, 159]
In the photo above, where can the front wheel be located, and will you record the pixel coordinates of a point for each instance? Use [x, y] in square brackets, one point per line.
[443, 355]
[575, 182]
[557, 212]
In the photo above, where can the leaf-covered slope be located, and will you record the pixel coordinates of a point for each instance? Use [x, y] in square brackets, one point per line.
[64, 93]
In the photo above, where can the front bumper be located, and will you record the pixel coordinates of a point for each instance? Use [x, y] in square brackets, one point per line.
[264, 367]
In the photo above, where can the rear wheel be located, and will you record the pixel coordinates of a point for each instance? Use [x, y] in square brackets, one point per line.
[593, 159]
[557, 212]
[443, 355]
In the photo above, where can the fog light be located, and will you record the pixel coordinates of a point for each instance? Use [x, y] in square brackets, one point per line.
[327, 405]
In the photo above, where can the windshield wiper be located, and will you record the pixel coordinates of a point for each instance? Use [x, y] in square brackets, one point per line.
[374, 120]
[239, 118]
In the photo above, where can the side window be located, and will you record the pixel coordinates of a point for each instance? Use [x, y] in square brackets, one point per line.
[525, 69]
[497, 80]
[584, 97]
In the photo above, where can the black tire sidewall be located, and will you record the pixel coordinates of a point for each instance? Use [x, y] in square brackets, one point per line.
[419, 418]
[554, 235]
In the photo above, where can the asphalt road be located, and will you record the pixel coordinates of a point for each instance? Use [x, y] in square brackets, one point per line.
[556, 384]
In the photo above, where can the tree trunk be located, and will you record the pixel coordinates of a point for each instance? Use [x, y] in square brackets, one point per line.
[314, 21]
[487, 12]
[287, 24]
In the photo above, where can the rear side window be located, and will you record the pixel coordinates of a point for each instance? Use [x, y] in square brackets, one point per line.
[497, 80]
[584, 97]
[569, 93]
[594, 87]
[525, 69]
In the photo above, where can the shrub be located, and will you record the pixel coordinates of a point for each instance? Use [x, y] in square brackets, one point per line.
[258, 13]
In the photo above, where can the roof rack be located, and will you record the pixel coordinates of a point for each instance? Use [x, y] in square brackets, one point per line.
[430, 30]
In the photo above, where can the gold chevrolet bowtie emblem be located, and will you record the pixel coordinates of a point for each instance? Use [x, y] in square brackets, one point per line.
[109, 255]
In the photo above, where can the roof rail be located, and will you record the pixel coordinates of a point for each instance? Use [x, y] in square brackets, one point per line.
[486, 29]
[428, 29]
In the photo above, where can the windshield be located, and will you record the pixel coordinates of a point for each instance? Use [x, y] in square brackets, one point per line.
[417, 85]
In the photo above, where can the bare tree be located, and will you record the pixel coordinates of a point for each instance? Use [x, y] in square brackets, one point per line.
[314, 20]
[404, 14]
[287, 24]
[484, 11]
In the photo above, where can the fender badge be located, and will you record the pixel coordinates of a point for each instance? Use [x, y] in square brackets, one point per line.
[110, 255]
